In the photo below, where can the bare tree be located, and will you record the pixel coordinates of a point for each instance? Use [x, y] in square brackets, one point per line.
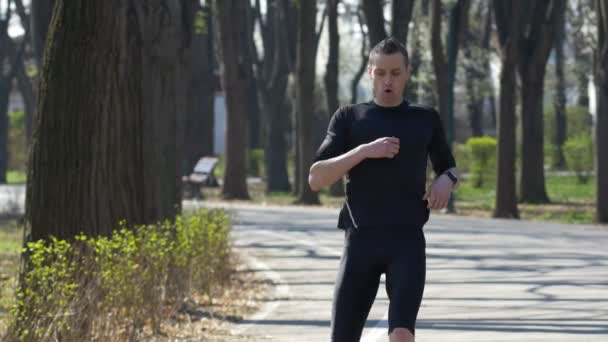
[508, 24]
[540, 19]
[305, 76]
[230, 17]
[601, 126]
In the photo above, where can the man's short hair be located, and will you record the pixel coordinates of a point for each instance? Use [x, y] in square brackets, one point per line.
[389, 46]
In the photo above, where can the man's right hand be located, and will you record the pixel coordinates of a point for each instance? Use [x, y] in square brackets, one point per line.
[386, 147]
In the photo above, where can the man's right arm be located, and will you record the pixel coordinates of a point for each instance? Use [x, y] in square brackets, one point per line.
[326, 172]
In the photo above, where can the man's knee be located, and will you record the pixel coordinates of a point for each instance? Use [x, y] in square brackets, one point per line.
[401, 335]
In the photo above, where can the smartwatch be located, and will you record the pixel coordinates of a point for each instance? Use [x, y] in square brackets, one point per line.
[452, 177]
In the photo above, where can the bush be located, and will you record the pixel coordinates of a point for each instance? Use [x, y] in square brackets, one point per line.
[578, 152]
[462, 154]
[483, 158]
[110, 288]
[256, 163]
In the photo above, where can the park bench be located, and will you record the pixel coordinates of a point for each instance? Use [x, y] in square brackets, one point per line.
[201, 176]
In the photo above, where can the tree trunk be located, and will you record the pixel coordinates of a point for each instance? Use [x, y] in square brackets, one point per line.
[532, 181]
[537, 39]
[231, 15]
[402, 15]
[201, 94]
[106, 145]
[354, 84]
[559, 104]
[331, 76]
[440, 66]
[508, 21]
[305, 96]
[374, 18]
[601, 126]
[253, 104]
[41, 12]
[275, 73]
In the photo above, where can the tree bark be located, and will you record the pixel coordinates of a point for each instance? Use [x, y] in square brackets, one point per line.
[275, 71]
[601, 126]
[440, 65]
[536, 40]
[201, 93]
[253, 103]
[402, 15]
[106, 145]
[559, 105]
[305, 96]
[41, 12]
[331, 75]
[508, 22]
[374, 18]
[354, 84]
[231, 15]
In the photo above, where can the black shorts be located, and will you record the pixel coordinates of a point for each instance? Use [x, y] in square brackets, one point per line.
[399, 252]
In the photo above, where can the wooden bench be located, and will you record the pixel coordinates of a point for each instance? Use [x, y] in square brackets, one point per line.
[201, 176]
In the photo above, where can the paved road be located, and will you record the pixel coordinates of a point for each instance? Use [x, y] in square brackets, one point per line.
[487, 280]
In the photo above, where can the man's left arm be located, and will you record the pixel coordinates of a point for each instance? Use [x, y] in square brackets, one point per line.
[444, 166]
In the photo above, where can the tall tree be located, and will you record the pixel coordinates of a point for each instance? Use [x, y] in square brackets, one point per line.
[272, 73]
[305, 77]
[354, 84]
[41, 12]
[248, 56]
[230, 18]
[579, 14]
[477, 64]
[201, 92]
[540, 19]
[374, 18]
[331, 74]
[402, 12]
[601, 125]
[508, 23]
[106, 145]
[442, 66]
[559, 103]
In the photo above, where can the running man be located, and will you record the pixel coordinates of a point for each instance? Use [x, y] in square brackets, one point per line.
[382, 147]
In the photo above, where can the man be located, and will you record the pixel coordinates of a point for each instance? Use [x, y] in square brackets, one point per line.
[382, 147]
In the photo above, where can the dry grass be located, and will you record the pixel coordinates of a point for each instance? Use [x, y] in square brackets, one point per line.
[203, 319]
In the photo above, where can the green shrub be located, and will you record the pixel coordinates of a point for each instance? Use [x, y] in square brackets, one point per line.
[462, 154]
[578, 152]
[256, 163]
[110, 288]
[483, 158]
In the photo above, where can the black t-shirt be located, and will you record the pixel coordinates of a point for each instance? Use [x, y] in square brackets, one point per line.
[384, 191]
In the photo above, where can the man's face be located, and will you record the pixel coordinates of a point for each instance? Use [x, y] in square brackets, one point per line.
[389, 75]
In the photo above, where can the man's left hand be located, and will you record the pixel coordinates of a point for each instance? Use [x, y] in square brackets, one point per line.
[439, 193]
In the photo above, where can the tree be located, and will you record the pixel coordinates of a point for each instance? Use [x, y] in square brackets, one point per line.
[305, 77]
[508, 24]
[402, 12]
[331, 74]
[559, 103]
[201, 92]
[374, 19]
[24, 82]
[271, 74]
[476, 43]
[41, 12]
[106, 145]
[601, 126]
[540, 19]
[230, 17]
[445, 70]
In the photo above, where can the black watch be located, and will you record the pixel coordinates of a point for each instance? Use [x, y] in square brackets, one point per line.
[452, 177]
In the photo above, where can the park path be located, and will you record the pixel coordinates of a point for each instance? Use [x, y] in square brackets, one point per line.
[487, 280]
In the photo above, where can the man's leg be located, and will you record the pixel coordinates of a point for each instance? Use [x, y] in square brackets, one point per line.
[405, 279]
[356, 287]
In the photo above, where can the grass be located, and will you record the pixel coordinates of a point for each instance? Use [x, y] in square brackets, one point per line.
[571, 202]
[10, 248]
[15, 177]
